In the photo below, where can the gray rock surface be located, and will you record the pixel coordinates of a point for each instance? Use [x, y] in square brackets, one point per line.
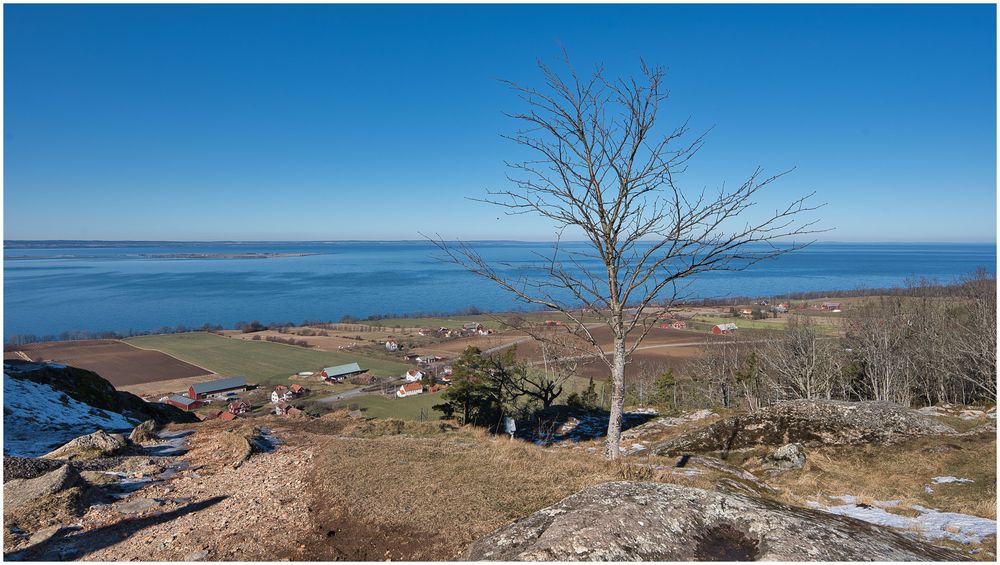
[786, 457]
[21, 492]
[90, 446]
[138, 505]
[624, 521]
[810, 423]
[144, 432]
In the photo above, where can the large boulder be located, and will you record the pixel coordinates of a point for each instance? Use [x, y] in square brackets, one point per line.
[786, 457]
[811, 423]
[90, 446]
[144, 432]
[625, 521]
[21, 492]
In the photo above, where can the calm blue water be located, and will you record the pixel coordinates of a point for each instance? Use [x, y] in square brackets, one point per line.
[113, 288]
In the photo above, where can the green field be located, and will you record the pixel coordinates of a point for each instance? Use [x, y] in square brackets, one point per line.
[379, 406]
[259, 361]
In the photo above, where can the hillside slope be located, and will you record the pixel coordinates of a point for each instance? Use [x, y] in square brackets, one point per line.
[46, 405]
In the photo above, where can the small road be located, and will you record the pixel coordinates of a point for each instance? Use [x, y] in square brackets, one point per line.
[347, 394]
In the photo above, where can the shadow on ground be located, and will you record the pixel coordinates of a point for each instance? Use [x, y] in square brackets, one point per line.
[67, 545]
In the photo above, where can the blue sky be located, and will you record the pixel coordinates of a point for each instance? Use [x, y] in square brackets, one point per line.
[378, 122]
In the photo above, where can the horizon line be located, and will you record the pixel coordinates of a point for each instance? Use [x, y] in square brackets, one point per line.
[245, 241]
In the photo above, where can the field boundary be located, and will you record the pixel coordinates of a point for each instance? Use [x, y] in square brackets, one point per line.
[207, 371]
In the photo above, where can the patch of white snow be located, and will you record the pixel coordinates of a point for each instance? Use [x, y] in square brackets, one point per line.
[38, 418]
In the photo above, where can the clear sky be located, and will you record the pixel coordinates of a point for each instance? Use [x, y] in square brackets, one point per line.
[377, 122]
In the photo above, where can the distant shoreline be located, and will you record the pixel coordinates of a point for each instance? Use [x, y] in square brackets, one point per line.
[252, 255]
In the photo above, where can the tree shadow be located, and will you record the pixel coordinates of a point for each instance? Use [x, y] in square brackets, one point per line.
[592, 423]
[65, 546]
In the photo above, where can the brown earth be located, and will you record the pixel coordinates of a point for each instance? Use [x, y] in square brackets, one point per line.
[116, 361]
[661, 349]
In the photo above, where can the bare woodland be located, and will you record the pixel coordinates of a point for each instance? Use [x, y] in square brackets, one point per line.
[917, 348]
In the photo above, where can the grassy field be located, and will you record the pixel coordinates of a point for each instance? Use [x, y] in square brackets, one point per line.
[378, 406]
[259, 361]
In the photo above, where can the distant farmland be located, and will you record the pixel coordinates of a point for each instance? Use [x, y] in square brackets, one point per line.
[260, 361]
[118, 362]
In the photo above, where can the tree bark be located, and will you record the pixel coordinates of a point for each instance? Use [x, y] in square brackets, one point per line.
[617, 399]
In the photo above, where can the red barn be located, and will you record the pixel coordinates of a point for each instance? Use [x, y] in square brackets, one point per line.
[183, 402]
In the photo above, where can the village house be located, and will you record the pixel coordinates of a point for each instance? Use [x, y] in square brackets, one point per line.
[182, 402]
[746, 313]
[237, 408]
[217, 387]
[341, 372]
[409, 389]
[413, 376]
[781, 308]
[281, 392]
[413, 357]
[298, 390]
[830, 307]
[722, 329]
[392, 345]
[285, 409]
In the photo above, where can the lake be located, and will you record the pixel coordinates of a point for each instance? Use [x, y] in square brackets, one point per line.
[52, 288]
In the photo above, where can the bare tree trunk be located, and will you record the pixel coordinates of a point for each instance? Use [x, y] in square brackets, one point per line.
[617, 399]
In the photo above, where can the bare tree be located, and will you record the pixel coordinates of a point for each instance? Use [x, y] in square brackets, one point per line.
[977, 340]
[801, 362]
[606, 170]
[545, 383]
[879, 334]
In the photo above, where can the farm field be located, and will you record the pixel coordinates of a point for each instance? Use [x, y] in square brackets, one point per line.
[660, 349]
[260, 361]
[117, 361]
[380, 406]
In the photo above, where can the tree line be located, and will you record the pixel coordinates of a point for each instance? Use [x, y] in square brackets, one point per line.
[914, 348]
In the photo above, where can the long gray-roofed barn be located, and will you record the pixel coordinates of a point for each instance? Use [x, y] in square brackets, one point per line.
[231, 384]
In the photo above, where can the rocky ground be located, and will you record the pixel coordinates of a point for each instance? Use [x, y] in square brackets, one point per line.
[265, 488]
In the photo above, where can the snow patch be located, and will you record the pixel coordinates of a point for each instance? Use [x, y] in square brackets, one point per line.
[947, 480]
[38, 418]
[931, 524]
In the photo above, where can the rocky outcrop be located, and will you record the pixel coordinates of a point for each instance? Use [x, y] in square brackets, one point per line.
[810, 423]
[90, 388]
[624, 521]
[20, 492]
[90, 446]
[786, 457]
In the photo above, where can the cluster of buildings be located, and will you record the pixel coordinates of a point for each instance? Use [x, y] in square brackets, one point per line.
[200, 394]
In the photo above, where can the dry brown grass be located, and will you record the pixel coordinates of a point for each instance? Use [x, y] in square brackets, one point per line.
[900, 472]
[437, 493]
